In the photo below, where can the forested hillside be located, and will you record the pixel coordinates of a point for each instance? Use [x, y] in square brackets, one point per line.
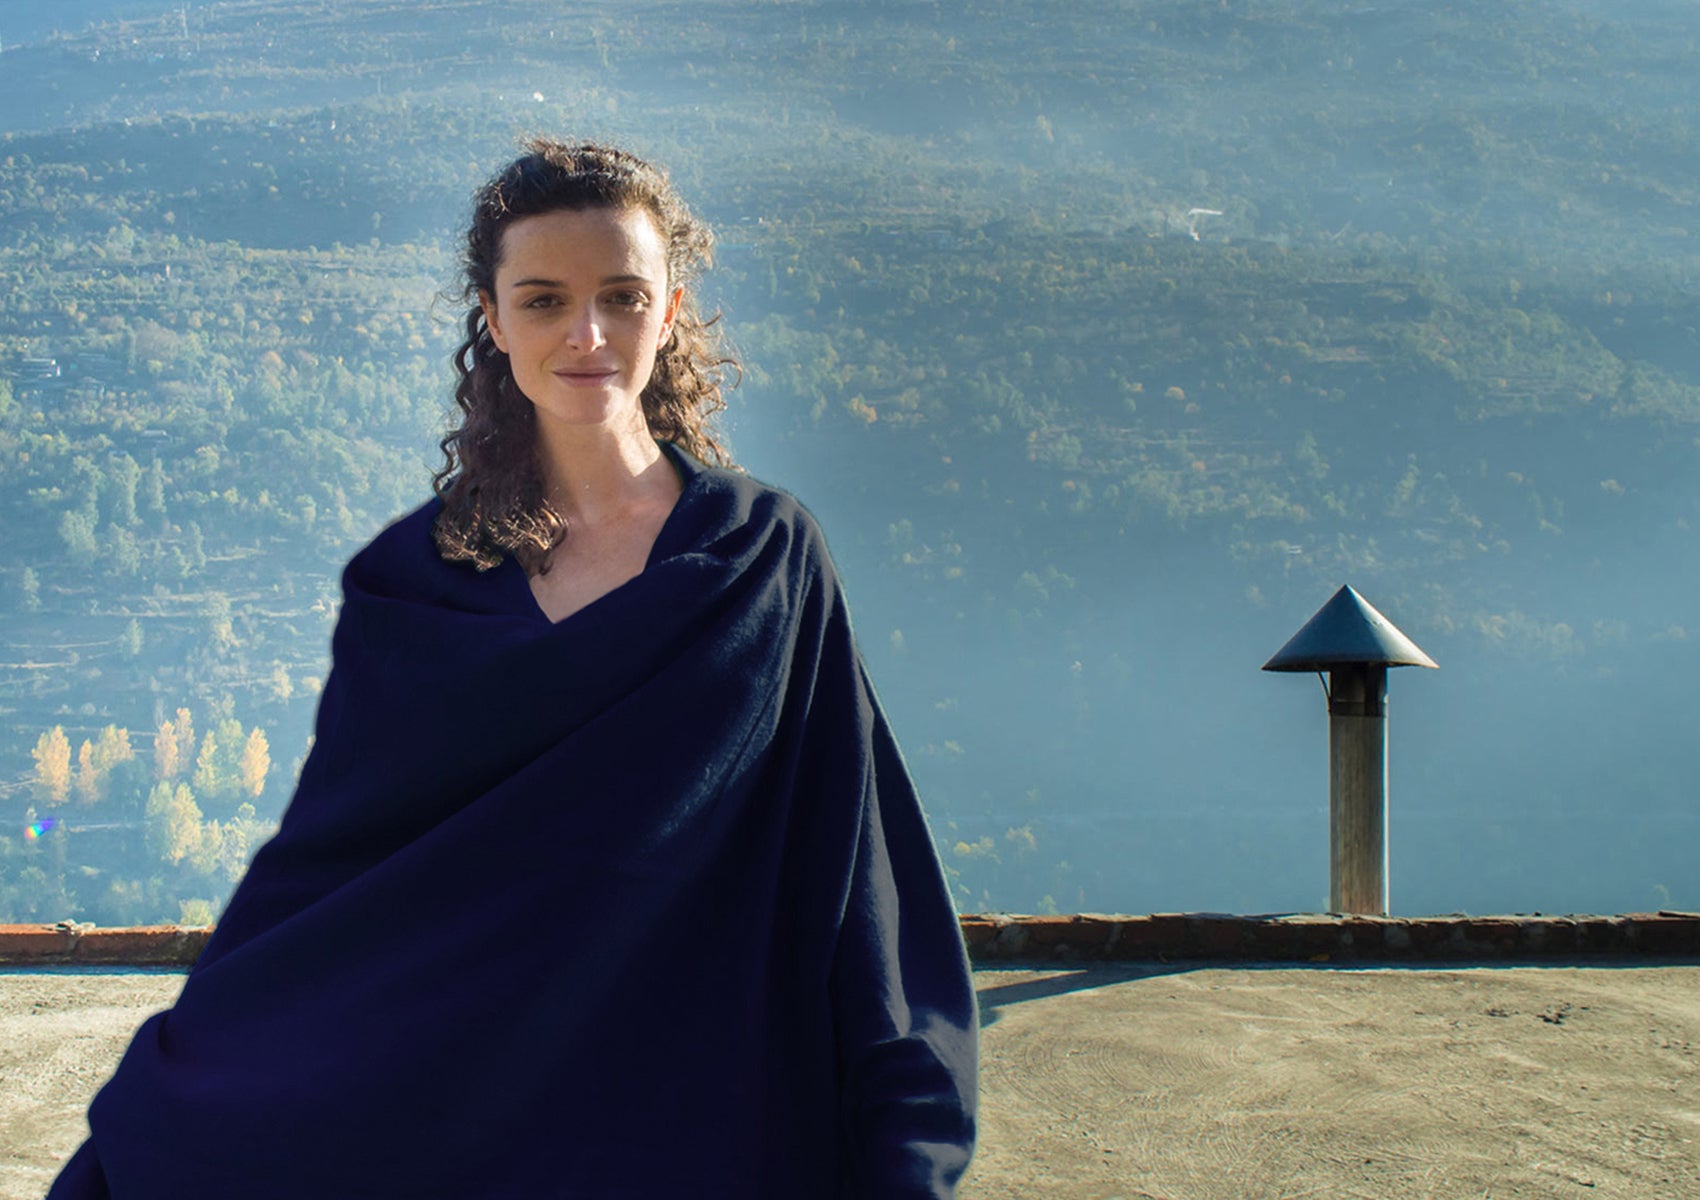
[1105, 340]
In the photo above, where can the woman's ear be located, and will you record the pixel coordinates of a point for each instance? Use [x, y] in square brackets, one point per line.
[488, 304]
[673, 302]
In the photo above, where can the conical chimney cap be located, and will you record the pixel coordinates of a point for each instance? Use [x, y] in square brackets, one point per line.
[1347, 630]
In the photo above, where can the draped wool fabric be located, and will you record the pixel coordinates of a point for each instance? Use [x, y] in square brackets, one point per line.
[639, 904]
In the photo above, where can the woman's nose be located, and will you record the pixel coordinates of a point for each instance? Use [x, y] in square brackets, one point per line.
[584, 333]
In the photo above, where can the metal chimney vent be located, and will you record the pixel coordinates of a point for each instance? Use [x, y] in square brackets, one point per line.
[1347, 629]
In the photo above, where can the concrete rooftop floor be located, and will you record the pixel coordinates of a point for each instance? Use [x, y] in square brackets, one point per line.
[1179, 1082]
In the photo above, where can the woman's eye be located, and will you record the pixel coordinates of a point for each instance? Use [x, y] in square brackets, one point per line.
[540, 302]
[629, 299]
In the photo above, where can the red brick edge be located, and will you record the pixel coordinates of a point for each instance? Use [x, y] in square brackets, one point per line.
[1003, 937]
[69, 942]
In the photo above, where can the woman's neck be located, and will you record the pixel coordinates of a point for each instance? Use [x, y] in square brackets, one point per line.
[593, 474]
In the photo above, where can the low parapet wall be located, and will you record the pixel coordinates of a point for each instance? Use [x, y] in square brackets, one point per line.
[70, 942]
[1306, 937]
[1085, 937]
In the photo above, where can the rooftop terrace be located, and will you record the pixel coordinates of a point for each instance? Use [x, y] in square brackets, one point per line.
[1498, 1073]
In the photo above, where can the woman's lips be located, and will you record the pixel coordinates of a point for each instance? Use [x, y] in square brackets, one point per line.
[581, 378]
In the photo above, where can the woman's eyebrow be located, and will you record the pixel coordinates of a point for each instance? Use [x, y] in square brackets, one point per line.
[555, 283]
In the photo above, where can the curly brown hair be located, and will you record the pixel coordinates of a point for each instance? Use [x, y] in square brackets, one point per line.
[491, 482]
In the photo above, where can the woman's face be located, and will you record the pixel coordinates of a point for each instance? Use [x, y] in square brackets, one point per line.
[580, 306]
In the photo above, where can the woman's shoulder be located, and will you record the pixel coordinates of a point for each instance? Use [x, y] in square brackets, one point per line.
[404, 536]
[764, 500]
[401, 560]
[728, 503]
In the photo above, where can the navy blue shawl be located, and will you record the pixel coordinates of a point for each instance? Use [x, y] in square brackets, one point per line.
[640, 904]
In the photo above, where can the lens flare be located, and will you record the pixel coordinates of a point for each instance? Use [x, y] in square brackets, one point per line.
[31, 832]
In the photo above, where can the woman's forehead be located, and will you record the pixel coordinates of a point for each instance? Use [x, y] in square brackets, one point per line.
[589, 238]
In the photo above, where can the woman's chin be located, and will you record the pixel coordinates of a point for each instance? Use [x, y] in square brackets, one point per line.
[591, 408]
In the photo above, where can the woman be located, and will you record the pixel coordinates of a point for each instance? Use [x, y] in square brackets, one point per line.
[603, 877]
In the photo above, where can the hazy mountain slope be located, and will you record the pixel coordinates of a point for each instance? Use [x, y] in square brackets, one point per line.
[1083, 470]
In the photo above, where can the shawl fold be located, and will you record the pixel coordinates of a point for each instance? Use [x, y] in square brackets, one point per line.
[637, 904]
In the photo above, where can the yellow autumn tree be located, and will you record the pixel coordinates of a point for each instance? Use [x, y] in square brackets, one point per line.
[256, 761]
[96, 761]
[185, 737]
[52, 756]
[167, 758]
[88, 779]
[111, 748]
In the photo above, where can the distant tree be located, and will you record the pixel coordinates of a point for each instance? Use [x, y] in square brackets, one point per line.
[52, 756]
[254, 829]
[209, 849]
[220, 773]
[124, 778]
[30, 587]
[209, 779]
[282, 686]
[185, 735]
[196, 914]
[124, 552]
[173, 822]
[112, 748]
[88, 778]
[219, 627]
[153, 488]
[167, 760]
[224, 847]
[237, 839]
[76, 530]
[122, 476]
[130, 641]
[87, 480]
[256, 761]
[197, 552]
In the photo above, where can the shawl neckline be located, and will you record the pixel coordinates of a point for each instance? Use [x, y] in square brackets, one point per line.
[673, 537]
